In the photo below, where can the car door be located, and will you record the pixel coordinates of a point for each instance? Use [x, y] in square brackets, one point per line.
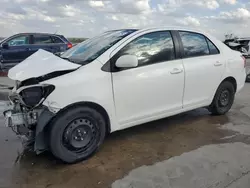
[17, 50]
[43, 41]
[204, 67]
[154, 89]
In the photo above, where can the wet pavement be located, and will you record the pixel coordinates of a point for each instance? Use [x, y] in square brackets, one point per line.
[125, 150]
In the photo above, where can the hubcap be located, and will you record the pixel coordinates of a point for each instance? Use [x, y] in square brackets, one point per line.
[79, 134]
[224, 98]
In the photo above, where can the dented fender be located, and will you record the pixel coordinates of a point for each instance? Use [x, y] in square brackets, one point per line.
[41, 138]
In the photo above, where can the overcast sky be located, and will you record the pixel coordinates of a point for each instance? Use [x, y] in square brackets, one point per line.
[86, 18]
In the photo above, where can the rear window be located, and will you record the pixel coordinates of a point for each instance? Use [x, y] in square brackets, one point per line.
[42, 39]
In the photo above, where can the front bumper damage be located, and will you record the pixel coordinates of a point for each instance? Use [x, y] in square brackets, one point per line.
[27, 114]
[31, 123]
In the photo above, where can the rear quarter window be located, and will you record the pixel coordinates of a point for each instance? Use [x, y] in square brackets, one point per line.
[63, 38]
[57, 40]
[212, 48]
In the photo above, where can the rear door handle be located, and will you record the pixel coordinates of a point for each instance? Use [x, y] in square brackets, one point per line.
[176, 71]
[28, 49]
[217, 64]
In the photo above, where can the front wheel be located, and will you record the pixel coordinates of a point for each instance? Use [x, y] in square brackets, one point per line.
[223, 99]
[76, 134]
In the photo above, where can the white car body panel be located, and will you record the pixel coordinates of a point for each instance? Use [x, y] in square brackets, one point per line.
[83, 85]
[138, 95]
[198, 71]
[235, 68]
[38, 64]
[158, 89]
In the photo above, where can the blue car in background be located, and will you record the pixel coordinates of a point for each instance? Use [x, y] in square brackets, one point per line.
[18, 47]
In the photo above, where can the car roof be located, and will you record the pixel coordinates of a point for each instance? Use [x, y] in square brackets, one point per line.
[38, 34]
[160, 28]
[172, 28]
[178, 28]
[15, 35]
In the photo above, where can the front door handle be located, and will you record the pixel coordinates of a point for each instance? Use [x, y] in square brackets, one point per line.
[28, 49]
[217, 64]
[176, 71]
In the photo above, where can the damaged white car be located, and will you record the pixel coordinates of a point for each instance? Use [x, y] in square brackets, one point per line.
[119, 79]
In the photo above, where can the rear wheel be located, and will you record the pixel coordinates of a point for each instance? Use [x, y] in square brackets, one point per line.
[76, 134]
[223, 99]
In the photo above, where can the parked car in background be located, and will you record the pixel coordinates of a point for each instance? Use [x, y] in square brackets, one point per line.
[239, 44]
[16, 48]
[119, 79]
[246, 43]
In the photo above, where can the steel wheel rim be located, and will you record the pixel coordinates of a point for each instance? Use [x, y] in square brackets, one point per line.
[224, 98]
[79, 135]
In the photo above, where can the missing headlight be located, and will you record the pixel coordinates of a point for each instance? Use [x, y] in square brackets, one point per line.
[32, 96]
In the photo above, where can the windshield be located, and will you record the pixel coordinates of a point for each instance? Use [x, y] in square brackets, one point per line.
[2, 40]
[5, 38]
[91, 49]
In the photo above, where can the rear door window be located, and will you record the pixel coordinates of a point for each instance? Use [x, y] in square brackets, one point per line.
[42, 39]
[194, 44]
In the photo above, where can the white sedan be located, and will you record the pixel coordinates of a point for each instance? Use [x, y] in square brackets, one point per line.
[116, 80]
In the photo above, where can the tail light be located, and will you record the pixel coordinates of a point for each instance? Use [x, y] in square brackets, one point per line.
[69, 45]
[245, 61]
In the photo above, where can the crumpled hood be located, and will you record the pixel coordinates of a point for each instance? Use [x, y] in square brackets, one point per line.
[39, 64]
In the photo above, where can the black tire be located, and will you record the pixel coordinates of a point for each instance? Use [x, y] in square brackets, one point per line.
[248, 78]
[66, 143]
[223, 99]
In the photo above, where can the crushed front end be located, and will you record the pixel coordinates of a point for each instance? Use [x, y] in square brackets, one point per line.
[26, 115]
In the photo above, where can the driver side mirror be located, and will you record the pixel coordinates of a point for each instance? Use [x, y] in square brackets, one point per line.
[5, 45]
[127, 61]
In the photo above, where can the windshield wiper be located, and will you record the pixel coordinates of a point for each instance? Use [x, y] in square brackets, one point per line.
[76, 61]
[68, 59]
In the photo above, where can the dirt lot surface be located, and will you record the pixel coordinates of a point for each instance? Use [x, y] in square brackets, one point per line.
[126, 150]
